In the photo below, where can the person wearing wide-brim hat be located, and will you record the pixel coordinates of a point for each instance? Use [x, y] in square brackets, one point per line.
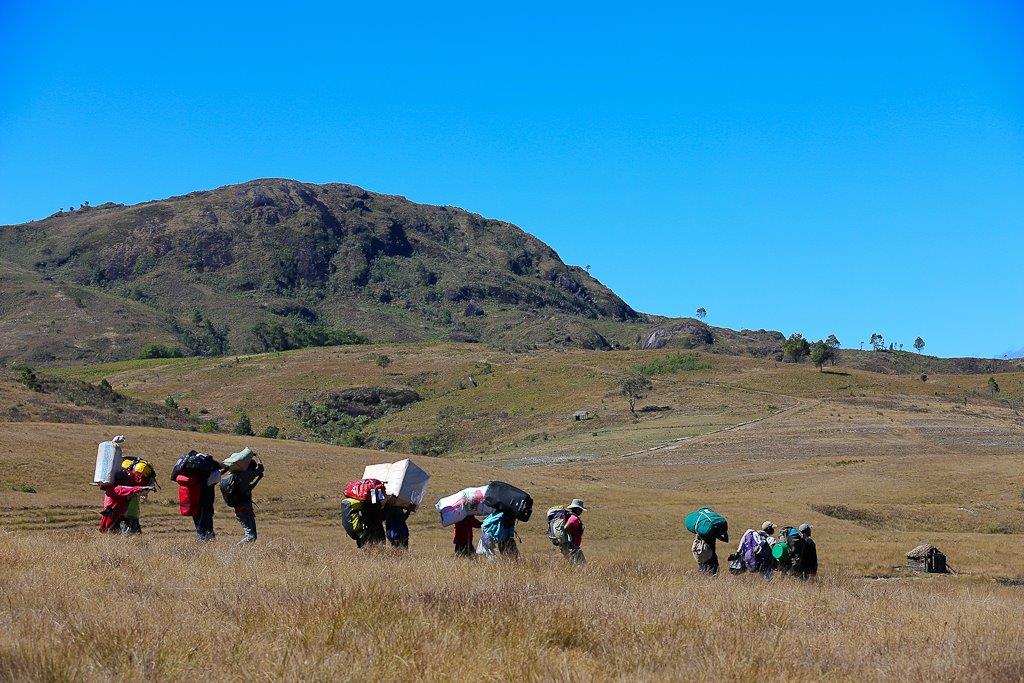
[574, 529]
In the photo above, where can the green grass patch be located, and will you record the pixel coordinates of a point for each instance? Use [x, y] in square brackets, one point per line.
[676, 362]
[96, 372]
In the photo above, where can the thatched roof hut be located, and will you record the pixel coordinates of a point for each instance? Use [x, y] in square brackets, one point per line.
[927, 558]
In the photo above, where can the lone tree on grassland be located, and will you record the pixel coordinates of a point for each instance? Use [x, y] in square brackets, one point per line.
[796, 347]
[833, 341]
[383, 361]
[919, 344]
[635, 387]
[993, 386]
[702, 313]
[822, 353]
[877, 341]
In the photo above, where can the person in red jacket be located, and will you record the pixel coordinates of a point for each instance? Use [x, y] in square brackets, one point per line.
[462, 536]
[115, 503]
[574, 529]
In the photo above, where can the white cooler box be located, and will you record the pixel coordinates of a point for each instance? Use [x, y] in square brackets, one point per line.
[404, 481]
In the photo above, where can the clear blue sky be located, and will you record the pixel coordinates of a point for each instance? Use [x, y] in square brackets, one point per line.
[847, 170]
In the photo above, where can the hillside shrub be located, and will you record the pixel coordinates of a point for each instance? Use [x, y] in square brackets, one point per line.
[271, 432]
[207, 427]
[160, 351]
[329, 422]
[204, 338]
[677, 362]
[108, 390]
[28, 377]
[438, 442]
[278, 337]
[353, 438]
[244, 425]
[340, 416]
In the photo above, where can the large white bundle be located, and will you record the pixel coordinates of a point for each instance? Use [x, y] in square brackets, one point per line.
[405, 482]
[458, 506]
[379, 472]
[108, 460]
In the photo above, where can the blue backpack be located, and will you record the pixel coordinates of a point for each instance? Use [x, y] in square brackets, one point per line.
[493, 527]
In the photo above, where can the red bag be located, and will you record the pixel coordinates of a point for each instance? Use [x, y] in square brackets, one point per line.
[365, 489]
[189, 493]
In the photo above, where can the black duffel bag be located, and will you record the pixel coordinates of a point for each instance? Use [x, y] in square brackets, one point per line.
[509, 499]
[194, 464]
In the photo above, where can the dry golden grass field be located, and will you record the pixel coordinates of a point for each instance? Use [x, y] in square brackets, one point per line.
[877, 463]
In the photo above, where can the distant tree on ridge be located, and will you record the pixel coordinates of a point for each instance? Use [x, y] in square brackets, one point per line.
[822, 352]
[796, 347]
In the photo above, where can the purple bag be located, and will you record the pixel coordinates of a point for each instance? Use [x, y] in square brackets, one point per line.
[749, 552]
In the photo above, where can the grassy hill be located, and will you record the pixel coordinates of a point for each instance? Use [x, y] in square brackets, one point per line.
[279, 252]
[482, 403]
[28, 397]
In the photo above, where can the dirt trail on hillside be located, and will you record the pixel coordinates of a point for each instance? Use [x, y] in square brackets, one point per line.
[801, 406]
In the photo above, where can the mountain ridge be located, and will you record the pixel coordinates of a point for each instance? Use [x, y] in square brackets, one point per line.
[273, 264]
[281, 251]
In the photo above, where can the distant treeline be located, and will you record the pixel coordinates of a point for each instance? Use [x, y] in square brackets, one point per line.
[300, 335]
[205, 338]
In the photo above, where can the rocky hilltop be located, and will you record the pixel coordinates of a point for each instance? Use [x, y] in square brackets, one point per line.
[233, 267]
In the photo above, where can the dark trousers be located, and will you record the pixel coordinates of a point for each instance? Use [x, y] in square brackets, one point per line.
[204, 520]
[374, 535]
[710, 567]
[247, 520]
[509, 548]
[130, 526]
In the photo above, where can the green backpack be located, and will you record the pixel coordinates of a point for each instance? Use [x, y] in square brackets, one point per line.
[707, 523]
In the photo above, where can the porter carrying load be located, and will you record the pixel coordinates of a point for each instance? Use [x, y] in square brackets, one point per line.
[404, 482]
